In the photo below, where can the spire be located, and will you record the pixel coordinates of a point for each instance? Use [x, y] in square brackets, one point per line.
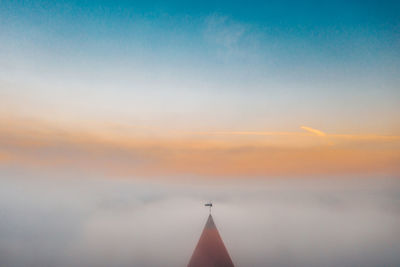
[210, 250]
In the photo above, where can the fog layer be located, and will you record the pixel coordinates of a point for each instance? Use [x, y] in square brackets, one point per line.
[59, 221]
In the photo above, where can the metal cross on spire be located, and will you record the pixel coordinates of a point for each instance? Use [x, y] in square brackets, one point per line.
[209, 204]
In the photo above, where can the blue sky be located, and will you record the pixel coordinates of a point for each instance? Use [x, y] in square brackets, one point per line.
[171, 68]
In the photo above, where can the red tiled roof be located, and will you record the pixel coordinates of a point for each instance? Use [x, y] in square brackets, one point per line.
[210, 250]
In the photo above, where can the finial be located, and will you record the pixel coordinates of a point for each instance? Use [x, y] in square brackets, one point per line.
[209, 204]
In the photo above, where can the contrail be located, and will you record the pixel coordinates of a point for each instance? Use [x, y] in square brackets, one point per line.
[314, 131]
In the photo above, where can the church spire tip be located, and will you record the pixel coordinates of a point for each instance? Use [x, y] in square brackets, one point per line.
[209, 204]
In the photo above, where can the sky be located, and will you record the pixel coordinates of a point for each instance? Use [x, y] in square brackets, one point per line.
[112, 111]
[189, 86]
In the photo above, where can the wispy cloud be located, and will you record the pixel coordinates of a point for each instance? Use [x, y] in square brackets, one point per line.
[247, 133]
[207, 153]
[231, 39]
[223, 31]
[314, 131]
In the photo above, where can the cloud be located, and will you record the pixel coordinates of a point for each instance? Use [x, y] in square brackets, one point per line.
[247, 133]
[47, 221]
[314, 131]
[223, 31]
[231, 40]
[217, 154]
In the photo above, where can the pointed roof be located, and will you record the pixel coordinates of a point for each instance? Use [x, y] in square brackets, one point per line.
[210, 250]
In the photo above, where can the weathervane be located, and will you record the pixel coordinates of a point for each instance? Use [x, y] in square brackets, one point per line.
[209, 204]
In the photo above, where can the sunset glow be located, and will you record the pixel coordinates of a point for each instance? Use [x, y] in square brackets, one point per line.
[130, 153]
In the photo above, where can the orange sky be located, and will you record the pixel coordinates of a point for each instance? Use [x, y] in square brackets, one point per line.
[143, 152]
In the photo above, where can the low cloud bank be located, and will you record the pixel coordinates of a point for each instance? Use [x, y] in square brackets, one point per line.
[50, 221]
